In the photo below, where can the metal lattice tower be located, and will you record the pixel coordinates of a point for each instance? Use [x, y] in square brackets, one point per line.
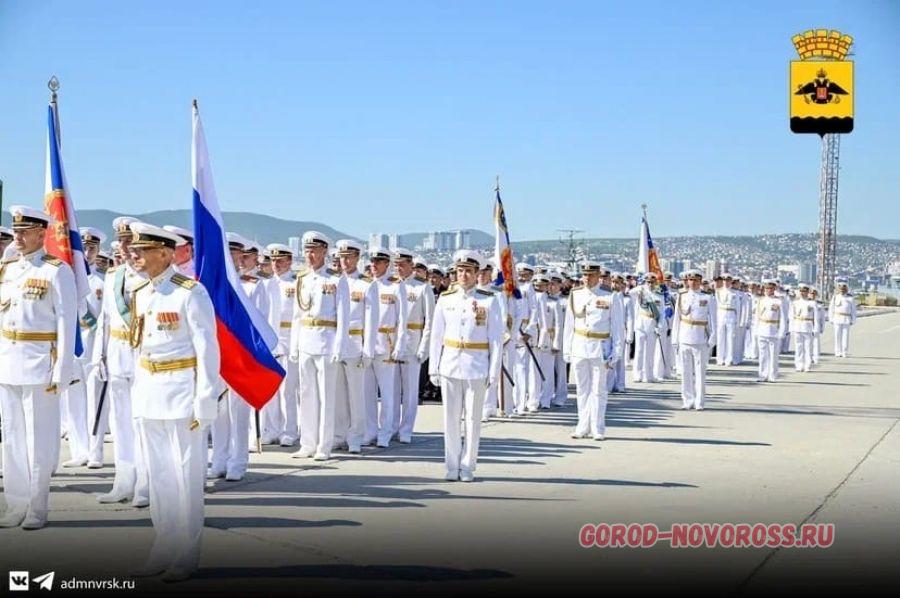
[569, 233]
[828, 196]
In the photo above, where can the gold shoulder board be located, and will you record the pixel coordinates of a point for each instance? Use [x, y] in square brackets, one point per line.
[183, 281]
[52, 260]
[262, 274]
[140, 286]
[483, 292]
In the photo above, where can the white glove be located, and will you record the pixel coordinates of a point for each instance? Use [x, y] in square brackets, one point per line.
[294, 358]
[631, 336]
[102, 373]
[365, 362]
[335, 358]
[205, 423]
[567, 358]
[397, 355]
[436, 380]
[711, 343]
[422, 356]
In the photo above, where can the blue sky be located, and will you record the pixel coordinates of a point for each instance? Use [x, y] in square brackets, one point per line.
[395, 116]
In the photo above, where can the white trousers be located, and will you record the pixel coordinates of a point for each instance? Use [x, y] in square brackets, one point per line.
[803, 351]
[279, 416]
[644, 350]
[176, 461]
[128, 454]
[548, 385]
[841, 339]
[380, 387]
[528, 381]
[816, 347]
[76, 405]
[561, 392]
[751, 345]
[694, 359]
[350, 405]
[663, 357]
[231, 436]
[94, 390]
[739, 343]
[458, 395]
[769, 350]
[494, 401]
[31, 424]
[406, 401]
[317, 384]
[591, 395]
[726, 341]
[619, 378]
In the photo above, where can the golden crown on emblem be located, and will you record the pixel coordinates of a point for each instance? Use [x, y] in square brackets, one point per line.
[822, 43]
[18, 217]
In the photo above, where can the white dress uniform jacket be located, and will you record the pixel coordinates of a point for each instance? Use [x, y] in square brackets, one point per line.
[177, 352]
[37, 311]
[321, 310]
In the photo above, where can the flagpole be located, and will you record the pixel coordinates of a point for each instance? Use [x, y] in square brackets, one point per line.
[53, 85]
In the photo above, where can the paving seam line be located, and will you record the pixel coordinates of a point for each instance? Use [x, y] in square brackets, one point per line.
[742, 586]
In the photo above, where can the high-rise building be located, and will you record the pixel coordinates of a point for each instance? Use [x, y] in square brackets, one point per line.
[394, 241]
[806, 272]
[722, 267]
[710, 269]
[296, 248]
[378, 240]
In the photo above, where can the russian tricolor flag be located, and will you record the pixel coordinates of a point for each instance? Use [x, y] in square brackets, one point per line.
[506, 275]
[245, 338]
[63, 239]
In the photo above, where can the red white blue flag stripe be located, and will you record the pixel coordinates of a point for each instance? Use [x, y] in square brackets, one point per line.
[506, 276]
[63, 239]
[245, 338]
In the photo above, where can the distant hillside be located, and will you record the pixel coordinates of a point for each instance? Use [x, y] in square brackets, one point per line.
[260, 228]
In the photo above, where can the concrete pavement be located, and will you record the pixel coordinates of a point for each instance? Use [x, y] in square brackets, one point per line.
[817, 447]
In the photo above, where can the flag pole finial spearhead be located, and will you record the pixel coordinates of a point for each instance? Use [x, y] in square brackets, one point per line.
[53, 86]
[194, 104]
[497, 183]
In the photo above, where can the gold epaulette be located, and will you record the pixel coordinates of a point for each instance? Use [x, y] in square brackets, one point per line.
[249, 278]
[394, 278]
[262, 274]
[140, 286]
[483, 292]
[303, 273]
[183, 281]
[331, 272]
[365, 277]
[450, 291]
[112, 269]
[51, 259]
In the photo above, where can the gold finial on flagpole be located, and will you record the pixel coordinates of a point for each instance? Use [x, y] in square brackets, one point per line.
[53, 86]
